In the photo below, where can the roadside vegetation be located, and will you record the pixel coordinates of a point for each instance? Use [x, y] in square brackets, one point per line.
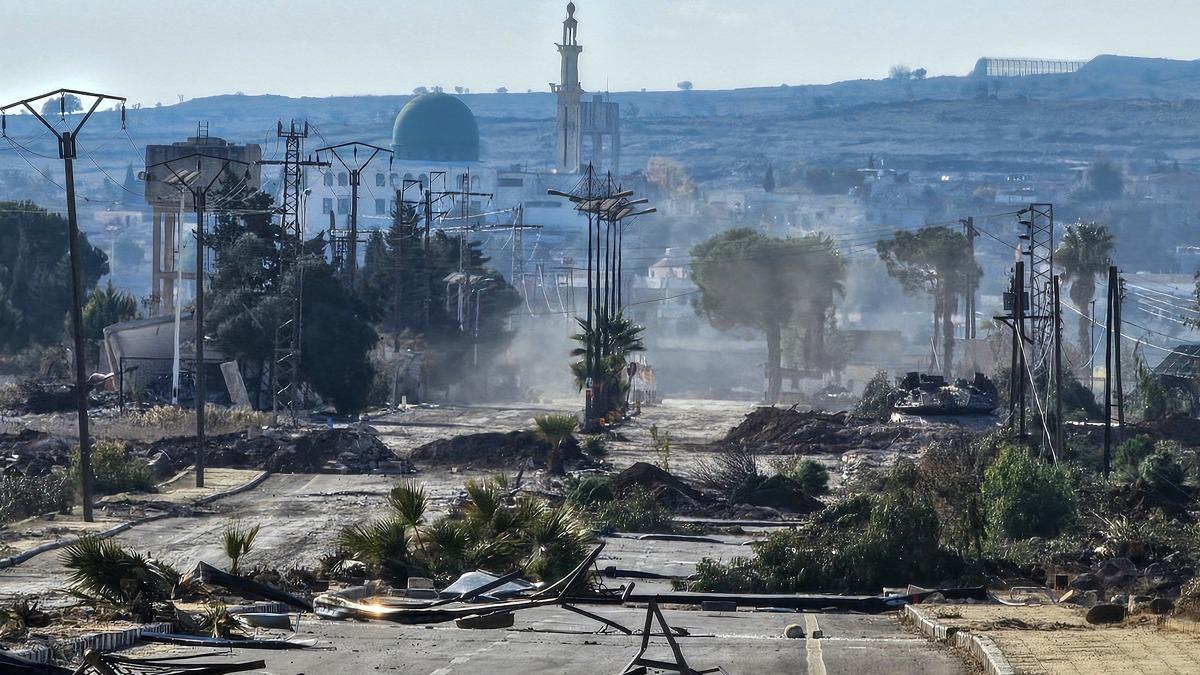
[492, 528]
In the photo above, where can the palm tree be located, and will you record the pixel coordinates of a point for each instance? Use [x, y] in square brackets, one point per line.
[613, 338]
[555, 429]
[237, 542]
[410, 502]
[1085, 252]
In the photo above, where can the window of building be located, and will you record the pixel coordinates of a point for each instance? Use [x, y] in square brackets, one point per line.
[327, 205]
[379, 205]
[343, 179]
[343, 206]
[329, 179]
[394, 178]
[424, 180]
[475, 182]
[511, 182]
[379, 180]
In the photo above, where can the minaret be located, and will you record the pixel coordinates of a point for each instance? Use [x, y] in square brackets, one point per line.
[568, 146]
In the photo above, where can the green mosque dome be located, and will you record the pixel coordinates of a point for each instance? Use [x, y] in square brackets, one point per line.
[436, 127]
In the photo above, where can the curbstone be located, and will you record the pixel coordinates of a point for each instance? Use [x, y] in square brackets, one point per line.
[21, 557]
[982, 648]
[71, 649]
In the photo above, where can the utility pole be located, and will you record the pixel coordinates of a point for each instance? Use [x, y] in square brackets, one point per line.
[1058, 381]
[1108, 345]
[1022, 363]
[288, 334]
[190, 183]
[605, 206]
[969, 301]
[355, 170]
[67, 152]
[1118, 294]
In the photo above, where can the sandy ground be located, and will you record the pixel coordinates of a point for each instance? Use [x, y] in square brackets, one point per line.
[1055, 640]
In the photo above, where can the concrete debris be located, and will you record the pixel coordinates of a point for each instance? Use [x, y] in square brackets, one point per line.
[321, 451]
[1105, 613]
[204, 575]
[493, 448]
[770, 430]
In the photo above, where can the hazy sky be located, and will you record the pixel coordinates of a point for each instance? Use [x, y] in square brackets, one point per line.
[155, 50]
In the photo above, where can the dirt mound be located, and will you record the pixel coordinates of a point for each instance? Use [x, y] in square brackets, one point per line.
[1184, 430]
[787, 431]
[33, 453]
[668, 489]
[492, 448]
[323, 451]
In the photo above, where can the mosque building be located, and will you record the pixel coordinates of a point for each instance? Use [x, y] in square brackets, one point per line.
[436, 146]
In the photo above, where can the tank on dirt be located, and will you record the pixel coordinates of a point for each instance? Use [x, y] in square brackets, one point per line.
[921, 394]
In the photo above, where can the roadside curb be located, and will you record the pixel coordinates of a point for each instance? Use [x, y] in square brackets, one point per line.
[982, 648]
[70, 649]
[21, 557]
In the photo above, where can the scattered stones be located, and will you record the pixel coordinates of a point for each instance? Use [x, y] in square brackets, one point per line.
[794, 631]
[1162, 606]
[1085, 582]
[1117, 573]
[1105, 613]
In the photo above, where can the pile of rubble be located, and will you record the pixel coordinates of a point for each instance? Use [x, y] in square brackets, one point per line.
[323, 451]
[669, 490]
[494, 448]
[34, 453]
[41, 396]
[1154, 584]
[771, 430]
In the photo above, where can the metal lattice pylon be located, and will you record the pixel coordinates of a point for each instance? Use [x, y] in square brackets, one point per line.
[1038, 220]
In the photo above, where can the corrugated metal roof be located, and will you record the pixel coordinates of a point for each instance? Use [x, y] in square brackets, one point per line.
[1182, 362]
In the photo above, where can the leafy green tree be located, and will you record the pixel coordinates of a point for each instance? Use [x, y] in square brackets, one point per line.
[249, 302]
[936, 261]
[1105, 179]
[747, 279]
[1025, 496]
[35, 275]
[1085, 252]
[404, 285]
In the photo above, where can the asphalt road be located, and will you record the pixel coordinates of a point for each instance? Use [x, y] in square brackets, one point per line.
[552, 640]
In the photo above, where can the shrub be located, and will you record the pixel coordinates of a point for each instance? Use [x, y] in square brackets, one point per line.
[237, 542]
[636, 511]
[591, 490]
[856, 546]
[104, 573]
[778, 492]
[1024, 496]
[1163, 474]
[381, 546]
[1128, 456]
[727, 470]
[876, 401]
[811, 475]
[24, 496]
[115, 470]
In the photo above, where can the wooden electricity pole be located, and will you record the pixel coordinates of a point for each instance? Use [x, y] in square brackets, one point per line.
[67, 152]
[1058, 379]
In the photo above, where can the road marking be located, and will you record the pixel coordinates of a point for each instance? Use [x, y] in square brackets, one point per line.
[816, 662]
